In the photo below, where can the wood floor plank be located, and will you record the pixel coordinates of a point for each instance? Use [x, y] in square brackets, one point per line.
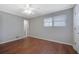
[32, 45]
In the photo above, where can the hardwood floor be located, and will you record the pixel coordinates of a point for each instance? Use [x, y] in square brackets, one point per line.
[32, 45]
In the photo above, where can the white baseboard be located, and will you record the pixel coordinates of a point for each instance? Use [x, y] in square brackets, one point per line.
[39, 38]
[52, 40]
[76, 49]
[13, 39]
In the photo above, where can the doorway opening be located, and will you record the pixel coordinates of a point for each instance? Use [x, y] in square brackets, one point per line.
[26, 27]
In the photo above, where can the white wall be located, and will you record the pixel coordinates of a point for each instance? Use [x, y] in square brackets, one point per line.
[0, 27]
[12, 26]
[76, 28]
[59, 34]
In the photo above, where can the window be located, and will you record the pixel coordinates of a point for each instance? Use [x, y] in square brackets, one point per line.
[48, 22]
[60, 20]
[57, 21]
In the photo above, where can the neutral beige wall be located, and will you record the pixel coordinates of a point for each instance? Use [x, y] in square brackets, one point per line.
[58, 34]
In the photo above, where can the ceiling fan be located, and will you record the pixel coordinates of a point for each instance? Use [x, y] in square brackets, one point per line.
[28, 9]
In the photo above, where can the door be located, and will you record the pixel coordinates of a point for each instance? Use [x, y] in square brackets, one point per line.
[26, 27]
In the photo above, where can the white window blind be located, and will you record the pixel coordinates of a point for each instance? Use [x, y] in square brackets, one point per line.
[47, 22]
[60, 20]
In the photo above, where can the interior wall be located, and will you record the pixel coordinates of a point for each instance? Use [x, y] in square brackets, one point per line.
[58, 34]
[0, 28]
[12, 27]
[76, 27]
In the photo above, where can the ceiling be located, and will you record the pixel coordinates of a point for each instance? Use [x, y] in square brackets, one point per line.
[41, 9]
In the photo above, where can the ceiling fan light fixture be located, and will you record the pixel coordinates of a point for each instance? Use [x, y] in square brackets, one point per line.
[28, 10]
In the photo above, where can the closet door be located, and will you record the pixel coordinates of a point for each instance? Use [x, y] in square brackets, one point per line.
[76, 27]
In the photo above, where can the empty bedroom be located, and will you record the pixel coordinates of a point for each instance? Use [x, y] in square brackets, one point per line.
[39, 28]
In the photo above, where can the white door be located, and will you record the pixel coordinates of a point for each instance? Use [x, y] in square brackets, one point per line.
[26, 27]
[76, 27]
